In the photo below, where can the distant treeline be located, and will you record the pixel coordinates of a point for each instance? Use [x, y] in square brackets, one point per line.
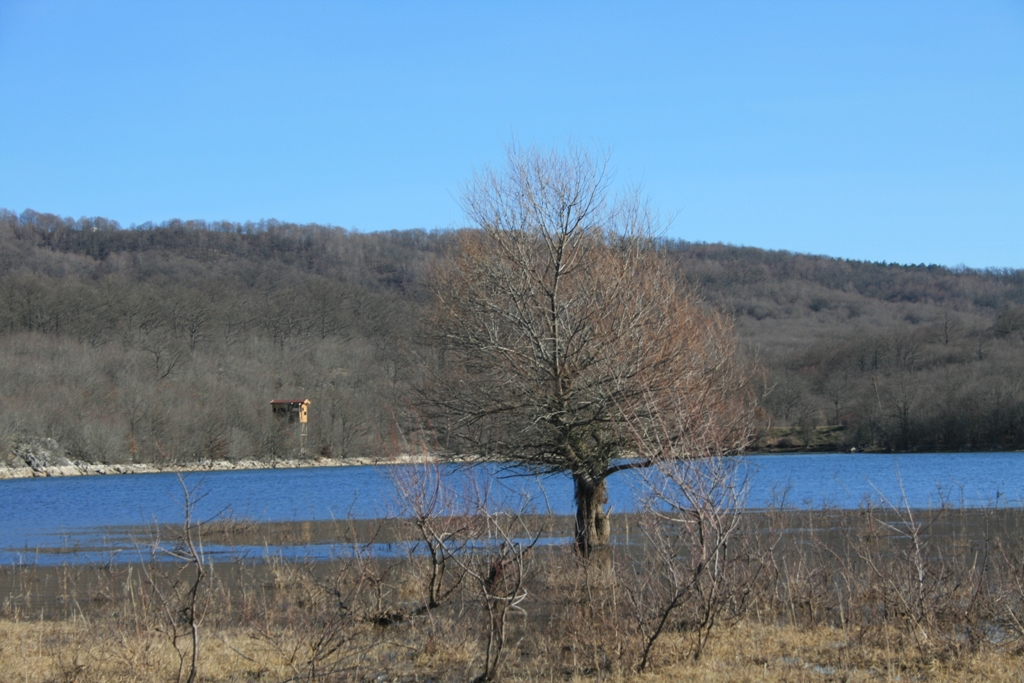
[166, 342]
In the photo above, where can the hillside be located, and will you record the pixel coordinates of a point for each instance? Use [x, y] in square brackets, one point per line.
[899, 357]
[163, 343]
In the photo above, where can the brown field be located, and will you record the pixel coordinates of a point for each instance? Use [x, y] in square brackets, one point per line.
[867, 595]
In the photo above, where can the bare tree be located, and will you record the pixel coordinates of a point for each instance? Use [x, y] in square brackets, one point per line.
[445, 523]
[563, 330]
[701, 570]
[500, 574]
[180, 592]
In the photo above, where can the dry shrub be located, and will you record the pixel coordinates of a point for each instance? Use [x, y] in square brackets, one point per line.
[585, 631]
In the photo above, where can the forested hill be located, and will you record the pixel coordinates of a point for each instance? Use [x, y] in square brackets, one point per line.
[166, 342]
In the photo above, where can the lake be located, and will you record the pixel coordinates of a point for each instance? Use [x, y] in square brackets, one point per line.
[38, 516]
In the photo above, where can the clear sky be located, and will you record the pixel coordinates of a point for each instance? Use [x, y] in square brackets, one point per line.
[886, 131]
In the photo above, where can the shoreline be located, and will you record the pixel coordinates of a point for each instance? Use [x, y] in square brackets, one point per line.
[80, 469]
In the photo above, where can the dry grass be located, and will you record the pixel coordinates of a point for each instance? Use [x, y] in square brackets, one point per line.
[840, 596]
[65, 651]
[753, 652]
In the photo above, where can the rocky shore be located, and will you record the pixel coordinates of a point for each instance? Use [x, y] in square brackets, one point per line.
[44, 458]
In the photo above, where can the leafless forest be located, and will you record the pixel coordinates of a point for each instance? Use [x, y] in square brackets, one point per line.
[164, 343]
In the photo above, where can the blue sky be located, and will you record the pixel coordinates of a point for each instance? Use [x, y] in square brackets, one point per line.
[885, 131]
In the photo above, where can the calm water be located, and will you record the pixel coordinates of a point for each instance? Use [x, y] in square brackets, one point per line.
[74, 511]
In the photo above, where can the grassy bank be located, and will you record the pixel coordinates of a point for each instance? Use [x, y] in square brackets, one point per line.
[776, 595]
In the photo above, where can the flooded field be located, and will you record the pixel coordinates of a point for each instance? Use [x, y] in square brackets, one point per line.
[875, 593]
[244, 555]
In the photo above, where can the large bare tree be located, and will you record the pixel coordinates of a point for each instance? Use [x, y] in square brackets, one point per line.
[568, 343]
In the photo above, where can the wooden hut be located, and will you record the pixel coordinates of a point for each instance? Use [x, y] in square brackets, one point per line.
[291, 410]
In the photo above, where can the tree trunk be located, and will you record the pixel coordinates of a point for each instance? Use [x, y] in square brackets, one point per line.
[592, 524]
